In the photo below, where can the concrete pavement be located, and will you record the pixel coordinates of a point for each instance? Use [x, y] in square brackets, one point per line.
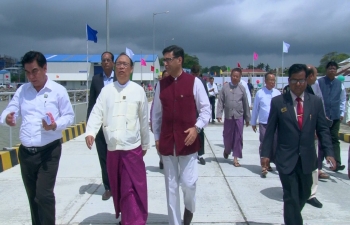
[225, 194]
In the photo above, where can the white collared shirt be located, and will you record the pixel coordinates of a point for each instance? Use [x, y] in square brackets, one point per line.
[211, 86]
[262, 105]
[295, 102]
[108, 80]
[202, 105]
[32, 106]
[249, 96]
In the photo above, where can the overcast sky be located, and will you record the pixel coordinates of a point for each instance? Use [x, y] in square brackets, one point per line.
[218, 32]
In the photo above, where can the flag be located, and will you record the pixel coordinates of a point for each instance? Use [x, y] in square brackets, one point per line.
[152, 68]
[228, 69]
[255, 56]
[285, 47]
[91, 34]
[157, 71]
[238, 65]
[220, 71]
[129, 53]
[143, 62]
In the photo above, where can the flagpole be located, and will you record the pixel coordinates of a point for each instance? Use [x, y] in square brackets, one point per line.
[282, 70]
[87, 69]
[141, 65]
[253, 64]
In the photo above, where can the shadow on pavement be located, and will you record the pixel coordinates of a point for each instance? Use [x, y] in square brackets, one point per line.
[91, 189]
[154, 169]
[274, 193]
[109, 218]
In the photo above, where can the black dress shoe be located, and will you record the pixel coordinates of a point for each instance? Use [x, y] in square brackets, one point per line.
[202, 160]
[314, 202]
[339, 167]
[161, 165]
[187, 217]
[106, 195]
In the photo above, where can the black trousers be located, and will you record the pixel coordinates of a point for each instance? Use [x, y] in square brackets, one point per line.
[101, 146]
[201, 139]
[212, 103]
[39, 171]
[296, 190]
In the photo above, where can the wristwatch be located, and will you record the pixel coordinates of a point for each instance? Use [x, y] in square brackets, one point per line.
[198, 129]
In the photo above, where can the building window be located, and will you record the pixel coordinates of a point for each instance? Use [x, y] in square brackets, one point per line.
[82, 83]
[63, 83]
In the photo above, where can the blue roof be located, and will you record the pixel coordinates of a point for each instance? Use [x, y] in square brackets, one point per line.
[92, 58]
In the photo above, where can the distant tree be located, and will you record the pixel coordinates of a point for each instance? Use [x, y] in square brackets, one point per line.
[267, 67]
[189, 61]
[205, 70]
[332, 56]
[260, 66]
[215, 70]
[250, 66]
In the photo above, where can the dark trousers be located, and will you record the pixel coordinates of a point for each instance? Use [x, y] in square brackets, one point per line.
[296, 190]
[39, 171]
[201, 139]
[212, 103]
[101, 146]
[334, 130]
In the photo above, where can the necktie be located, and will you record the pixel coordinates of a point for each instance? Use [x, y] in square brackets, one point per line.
[300, 112]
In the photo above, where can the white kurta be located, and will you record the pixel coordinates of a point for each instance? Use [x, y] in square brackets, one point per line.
[123, 111]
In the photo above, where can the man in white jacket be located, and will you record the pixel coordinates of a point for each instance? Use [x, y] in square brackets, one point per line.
[122, 110]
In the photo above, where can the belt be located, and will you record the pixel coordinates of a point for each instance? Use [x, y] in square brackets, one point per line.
[34, 150]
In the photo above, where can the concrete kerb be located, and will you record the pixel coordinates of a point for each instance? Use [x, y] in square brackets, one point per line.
[9, 156]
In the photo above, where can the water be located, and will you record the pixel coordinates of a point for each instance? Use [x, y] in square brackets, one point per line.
[80, 115]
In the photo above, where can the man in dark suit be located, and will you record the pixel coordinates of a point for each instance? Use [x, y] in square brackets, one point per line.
[296, 115]
[97, 83]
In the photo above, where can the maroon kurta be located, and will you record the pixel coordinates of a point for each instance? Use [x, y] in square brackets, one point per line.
[179, 114]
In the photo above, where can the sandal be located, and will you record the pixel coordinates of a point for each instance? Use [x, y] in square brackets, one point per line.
[225, 155]
[236, 164]
[269, 169]
[264, 172]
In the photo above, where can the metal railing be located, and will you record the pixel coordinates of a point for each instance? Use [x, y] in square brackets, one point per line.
[78, 100]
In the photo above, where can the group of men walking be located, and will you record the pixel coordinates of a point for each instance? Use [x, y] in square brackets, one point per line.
[292, 125]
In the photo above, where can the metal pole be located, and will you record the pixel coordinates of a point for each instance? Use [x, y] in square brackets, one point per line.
[107, 24]
[153, 49]
[282, 70]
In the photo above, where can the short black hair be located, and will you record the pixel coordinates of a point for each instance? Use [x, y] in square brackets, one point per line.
[108, 53]
[239, 70]
[177, 52]
[123, 53]
[309, 71]
[30, 56]
[296, 68]
[195, 69]
[332, 63]
[268, 73]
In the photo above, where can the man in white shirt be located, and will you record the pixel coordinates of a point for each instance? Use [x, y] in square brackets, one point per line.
[46, 110]
[213, 91]
[261, 109]
[181, 109]
[122, 110]
[247, 91]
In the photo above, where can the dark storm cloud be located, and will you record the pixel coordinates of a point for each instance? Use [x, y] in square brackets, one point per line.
[218, 32]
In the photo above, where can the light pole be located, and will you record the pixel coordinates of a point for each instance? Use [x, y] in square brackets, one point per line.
[154, 38]
[168, 40]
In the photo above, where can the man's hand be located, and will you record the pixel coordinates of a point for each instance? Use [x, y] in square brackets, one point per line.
[264, 162]
[254, 128]
[331, 161]
[219, 120]
[10, 119]
[341, 118]
[89, 141]
[144, 152]
[246, 123]
[192, 135]
[52, 126]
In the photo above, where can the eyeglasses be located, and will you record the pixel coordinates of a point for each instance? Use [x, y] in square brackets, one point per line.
[294, 81]
[106, 60]
[122, 64]
[168, 60]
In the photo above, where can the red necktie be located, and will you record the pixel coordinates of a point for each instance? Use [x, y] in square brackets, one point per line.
[300, 112]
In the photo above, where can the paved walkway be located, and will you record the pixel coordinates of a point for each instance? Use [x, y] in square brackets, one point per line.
[225, 194]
